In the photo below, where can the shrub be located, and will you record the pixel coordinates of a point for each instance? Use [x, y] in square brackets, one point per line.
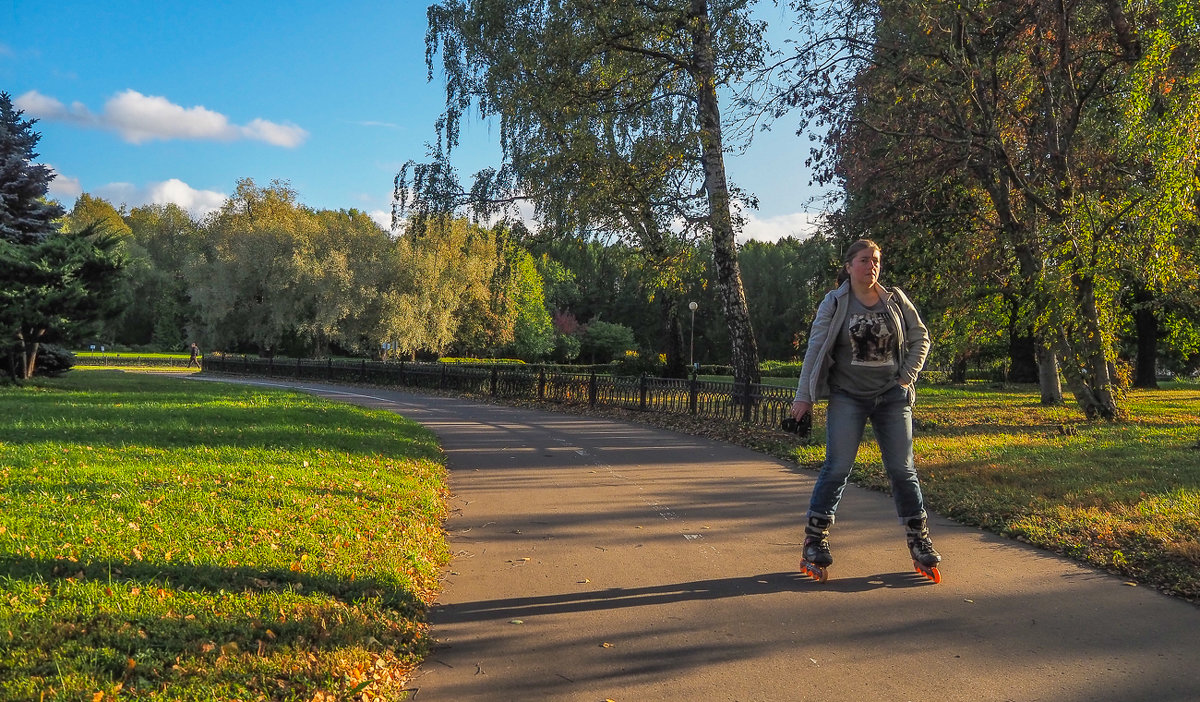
[53, 360]
[634, 363]
[780, 369]
[605, 341]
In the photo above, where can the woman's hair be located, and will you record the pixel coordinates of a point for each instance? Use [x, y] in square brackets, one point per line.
[852, 251]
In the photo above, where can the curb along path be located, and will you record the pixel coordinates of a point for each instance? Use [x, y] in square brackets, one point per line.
[596, 559]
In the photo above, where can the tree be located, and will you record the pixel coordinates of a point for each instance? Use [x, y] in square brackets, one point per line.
[252, 284]
[26, 216]
[1069, 123]
[785, 282]
[165, 249]
[609, 119]
[55, 290]
[533, 331]
[56, 284]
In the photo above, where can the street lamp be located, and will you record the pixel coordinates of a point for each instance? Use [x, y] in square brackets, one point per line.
[692, 341]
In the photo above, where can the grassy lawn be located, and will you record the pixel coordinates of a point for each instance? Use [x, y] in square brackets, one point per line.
[1121, 496]
[173, 540]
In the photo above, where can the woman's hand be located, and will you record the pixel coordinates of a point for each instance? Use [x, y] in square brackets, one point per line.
[800, 408]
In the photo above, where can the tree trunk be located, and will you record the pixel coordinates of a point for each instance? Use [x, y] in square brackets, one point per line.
[672, 336]
[1048, 380]
[30, 344]
[1087, 366]
[1146, 325]
[1022, 356]
[744, 348]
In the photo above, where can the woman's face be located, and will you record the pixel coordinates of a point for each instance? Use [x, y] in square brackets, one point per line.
[864, 267]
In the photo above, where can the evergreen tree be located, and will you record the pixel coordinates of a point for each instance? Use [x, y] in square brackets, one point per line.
[26, 216]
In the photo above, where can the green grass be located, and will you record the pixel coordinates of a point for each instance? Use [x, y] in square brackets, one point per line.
[1122, 496]
[162, 539]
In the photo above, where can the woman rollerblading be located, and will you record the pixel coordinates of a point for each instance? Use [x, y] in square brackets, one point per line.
[866, 347]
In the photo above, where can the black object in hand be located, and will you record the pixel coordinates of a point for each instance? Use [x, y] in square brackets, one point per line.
[799, 427]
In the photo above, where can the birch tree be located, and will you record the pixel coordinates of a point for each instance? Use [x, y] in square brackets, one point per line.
[609, 120]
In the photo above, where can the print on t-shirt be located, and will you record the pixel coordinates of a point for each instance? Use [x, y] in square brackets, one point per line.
[870, 340]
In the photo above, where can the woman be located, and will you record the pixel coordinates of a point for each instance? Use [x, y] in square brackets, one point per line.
[866, 347]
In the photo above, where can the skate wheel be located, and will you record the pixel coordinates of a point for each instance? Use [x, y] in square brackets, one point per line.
[929, 572]
[816, 572]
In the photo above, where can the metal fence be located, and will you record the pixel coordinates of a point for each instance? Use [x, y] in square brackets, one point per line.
[749, 403]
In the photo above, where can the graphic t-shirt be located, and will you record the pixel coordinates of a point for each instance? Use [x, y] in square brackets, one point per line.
[864, 357]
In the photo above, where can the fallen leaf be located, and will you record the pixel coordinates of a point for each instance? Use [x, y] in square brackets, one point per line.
[515, 621]
[606, 645]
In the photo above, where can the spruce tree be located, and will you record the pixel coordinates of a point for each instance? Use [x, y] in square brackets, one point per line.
[26, 216]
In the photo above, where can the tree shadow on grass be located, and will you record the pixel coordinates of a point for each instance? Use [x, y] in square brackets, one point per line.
[212, 579]
[258, 631]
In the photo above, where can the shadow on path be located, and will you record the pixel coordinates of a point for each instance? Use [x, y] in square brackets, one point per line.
[619, 598]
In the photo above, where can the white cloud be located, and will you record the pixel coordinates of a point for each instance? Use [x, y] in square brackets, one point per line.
[286, 135]
[63, 188]
[798, 225]
[196, 202]
[383, 218]
[140, 118]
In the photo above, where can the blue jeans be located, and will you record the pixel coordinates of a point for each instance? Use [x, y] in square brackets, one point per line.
[845, 420]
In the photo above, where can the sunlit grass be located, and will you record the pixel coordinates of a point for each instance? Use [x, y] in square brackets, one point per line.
[184, 540]
[1122, 496]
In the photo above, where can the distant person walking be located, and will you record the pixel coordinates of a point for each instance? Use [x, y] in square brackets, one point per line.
[865, 349]
[195, 359]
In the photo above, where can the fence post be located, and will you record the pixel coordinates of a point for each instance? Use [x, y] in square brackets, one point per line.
[442, 377]
[693, 389]
[642, 392]
[362, 373]
[746, 398]
[541, 393]
[592, 389]
[270, 365]
[495, 377]
[329, 368]
[297, 368]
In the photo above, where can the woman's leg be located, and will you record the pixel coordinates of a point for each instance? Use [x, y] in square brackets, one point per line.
[891, 419]
[845, 419]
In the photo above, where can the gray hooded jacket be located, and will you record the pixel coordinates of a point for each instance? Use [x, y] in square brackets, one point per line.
[912, 340]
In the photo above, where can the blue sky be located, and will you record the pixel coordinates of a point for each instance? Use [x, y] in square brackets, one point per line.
[163, 101]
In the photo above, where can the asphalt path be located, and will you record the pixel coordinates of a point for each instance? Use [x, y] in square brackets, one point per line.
[603, 560]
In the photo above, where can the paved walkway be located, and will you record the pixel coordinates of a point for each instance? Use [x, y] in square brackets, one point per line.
[597, 559]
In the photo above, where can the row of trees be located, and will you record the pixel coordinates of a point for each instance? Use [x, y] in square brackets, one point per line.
[266, 274]
[1029, 165]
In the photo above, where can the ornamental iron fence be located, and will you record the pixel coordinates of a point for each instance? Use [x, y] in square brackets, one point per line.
[753, 404]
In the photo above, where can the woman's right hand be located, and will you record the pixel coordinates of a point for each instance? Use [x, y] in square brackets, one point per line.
[800, 408]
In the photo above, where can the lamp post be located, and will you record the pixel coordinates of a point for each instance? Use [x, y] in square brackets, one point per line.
[692, 340]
